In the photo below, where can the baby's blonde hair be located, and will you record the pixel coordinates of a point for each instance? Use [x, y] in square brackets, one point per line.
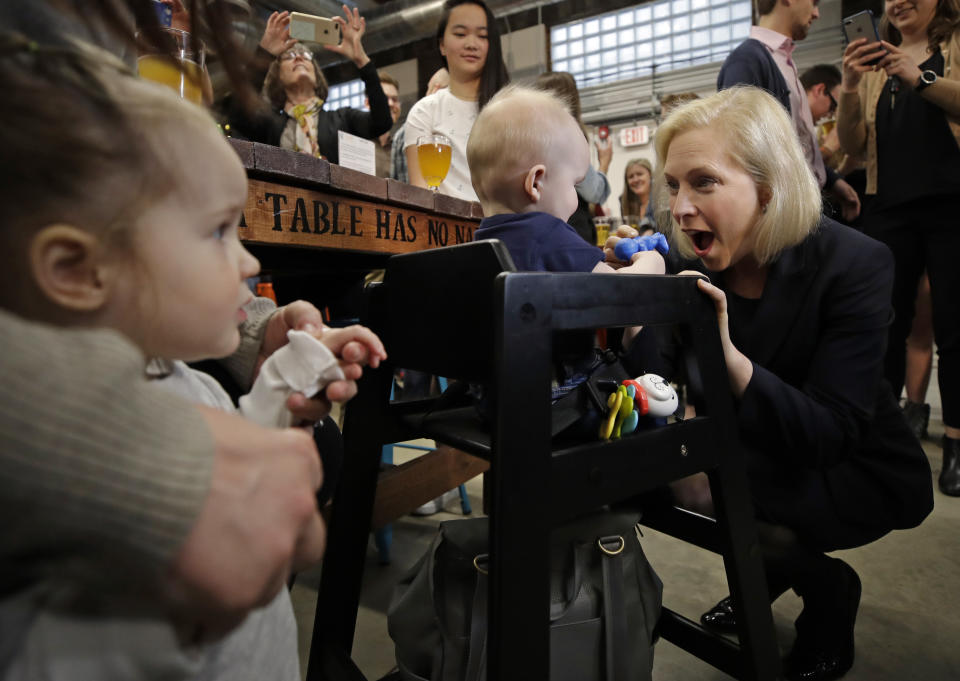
[758, 136]
[517, 129]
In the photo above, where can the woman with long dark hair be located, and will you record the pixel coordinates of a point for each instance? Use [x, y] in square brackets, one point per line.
[469, 42]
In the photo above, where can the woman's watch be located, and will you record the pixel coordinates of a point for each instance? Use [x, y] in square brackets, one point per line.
[927, 78]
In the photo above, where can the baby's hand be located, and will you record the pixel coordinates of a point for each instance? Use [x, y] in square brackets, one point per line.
[610, 245]
[645, 262]
[355, 346]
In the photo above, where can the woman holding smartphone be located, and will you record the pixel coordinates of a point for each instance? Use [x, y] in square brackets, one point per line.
[470, 45]
[903, 115]
[295, 88]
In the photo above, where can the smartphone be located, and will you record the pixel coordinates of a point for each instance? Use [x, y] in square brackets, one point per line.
[862, 25]
[310, 29]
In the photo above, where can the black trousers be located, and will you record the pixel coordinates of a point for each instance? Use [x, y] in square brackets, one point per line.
[924, 235]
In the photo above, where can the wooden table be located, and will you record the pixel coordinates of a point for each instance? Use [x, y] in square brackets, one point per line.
[304, 214]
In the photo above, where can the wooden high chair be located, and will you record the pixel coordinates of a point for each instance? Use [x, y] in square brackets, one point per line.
[496, 327]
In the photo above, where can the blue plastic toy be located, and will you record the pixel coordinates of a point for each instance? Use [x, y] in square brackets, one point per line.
[625, 248]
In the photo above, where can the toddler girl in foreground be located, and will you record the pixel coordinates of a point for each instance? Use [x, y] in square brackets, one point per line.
[137, 232]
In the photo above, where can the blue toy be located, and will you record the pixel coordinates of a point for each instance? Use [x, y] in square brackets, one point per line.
[625, 248]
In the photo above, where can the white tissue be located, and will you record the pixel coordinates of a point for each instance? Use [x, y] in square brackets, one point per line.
[303, 365]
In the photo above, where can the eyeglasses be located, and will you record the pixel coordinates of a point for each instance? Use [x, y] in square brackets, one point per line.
[293, 54]
[833, 102]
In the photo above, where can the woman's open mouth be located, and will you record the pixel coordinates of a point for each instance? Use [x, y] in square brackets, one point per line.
[702, 241]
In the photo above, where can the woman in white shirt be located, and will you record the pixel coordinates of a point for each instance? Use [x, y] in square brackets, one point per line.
[470, 44]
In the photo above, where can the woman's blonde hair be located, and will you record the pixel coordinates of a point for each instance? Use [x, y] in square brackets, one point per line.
[759, 136]
[630, 202]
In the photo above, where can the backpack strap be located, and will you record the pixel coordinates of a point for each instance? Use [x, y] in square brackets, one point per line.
[614, 615]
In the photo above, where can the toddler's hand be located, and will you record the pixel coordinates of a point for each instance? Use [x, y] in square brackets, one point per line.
[355, 346]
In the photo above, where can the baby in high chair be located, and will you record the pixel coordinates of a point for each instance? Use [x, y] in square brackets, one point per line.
[526, 155]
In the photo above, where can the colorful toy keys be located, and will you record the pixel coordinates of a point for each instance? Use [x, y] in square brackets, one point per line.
[649, 395]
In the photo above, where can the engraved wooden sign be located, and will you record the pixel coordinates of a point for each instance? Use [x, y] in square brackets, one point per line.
[292, 216]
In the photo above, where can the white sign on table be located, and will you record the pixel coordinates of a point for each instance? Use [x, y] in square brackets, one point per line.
[357, 153]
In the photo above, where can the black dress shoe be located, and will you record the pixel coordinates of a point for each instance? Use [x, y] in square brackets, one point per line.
[824, 649]
[949, 480]
[721, 617]
[817, 667]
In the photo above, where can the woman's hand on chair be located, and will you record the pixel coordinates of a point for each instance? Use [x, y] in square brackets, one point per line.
[739, 366]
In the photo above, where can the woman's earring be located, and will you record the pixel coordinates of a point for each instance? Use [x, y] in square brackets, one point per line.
[763, 208]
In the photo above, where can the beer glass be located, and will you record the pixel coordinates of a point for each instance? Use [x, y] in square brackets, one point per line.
[433, 153]
[181, 68]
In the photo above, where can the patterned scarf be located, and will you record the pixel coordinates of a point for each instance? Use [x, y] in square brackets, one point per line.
[305, 115]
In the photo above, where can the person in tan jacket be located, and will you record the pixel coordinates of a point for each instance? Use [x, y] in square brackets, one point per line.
[899, 108]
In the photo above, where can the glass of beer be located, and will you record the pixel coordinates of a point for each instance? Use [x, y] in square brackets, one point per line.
[433, 153]
[181, 68]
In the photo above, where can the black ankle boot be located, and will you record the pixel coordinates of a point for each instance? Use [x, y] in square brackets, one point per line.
[949, 480]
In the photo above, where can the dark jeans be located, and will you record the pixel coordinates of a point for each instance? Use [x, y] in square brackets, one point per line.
[924, 235]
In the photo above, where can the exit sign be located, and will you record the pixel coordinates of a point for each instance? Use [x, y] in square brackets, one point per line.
[631, 137]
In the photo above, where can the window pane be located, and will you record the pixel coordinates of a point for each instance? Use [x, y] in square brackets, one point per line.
[720, 14]
[741, 10]
[720, 34]
[662, 34]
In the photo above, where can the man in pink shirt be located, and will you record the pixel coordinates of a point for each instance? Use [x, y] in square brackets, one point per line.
[765, 60]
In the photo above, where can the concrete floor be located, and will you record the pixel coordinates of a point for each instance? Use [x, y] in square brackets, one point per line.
[908, 626]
